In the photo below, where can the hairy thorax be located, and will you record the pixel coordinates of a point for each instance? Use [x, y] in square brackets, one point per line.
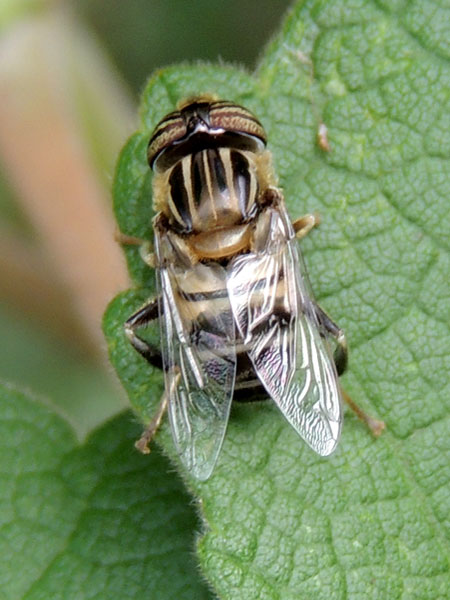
[210, 198]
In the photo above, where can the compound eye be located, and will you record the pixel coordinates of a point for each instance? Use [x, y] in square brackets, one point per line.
[201, 124]
[235, 118]
[167, 132]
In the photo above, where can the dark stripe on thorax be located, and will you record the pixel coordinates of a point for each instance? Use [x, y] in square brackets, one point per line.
[241, 180]
[179, 194]
[197, 177]
[217, 170]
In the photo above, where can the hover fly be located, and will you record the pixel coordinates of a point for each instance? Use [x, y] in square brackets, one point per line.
[237, 316]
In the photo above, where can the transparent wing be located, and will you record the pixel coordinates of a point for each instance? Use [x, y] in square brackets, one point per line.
[197, 336]
[271, 301]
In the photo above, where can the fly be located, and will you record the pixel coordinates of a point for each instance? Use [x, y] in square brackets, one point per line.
[237, 316]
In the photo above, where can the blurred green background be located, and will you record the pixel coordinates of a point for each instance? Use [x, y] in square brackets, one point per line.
[142, 35]
[71, 74]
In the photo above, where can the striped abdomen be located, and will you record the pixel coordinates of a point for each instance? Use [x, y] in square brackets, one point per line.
[203, 302]
[211, 189]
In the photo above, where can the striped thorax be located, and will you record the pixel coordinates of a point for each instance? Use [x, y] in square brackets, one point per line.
[207, 159]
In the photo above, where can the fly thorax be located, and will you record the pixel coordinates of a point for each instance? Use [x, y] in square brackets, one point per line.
[212, 189]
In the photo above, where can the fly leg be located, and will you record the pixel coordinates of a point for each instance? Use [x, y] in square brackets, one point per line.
[147, 435]
[329, 328]
[147, 313]
[143, 442]
[145, 247]
[303, 225]
[376, 427]
[142, 318]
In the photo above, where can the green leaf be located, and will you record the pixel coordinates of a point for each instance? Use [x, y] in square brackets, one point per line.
[91, 521]
[369, 522]
[34, 356]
